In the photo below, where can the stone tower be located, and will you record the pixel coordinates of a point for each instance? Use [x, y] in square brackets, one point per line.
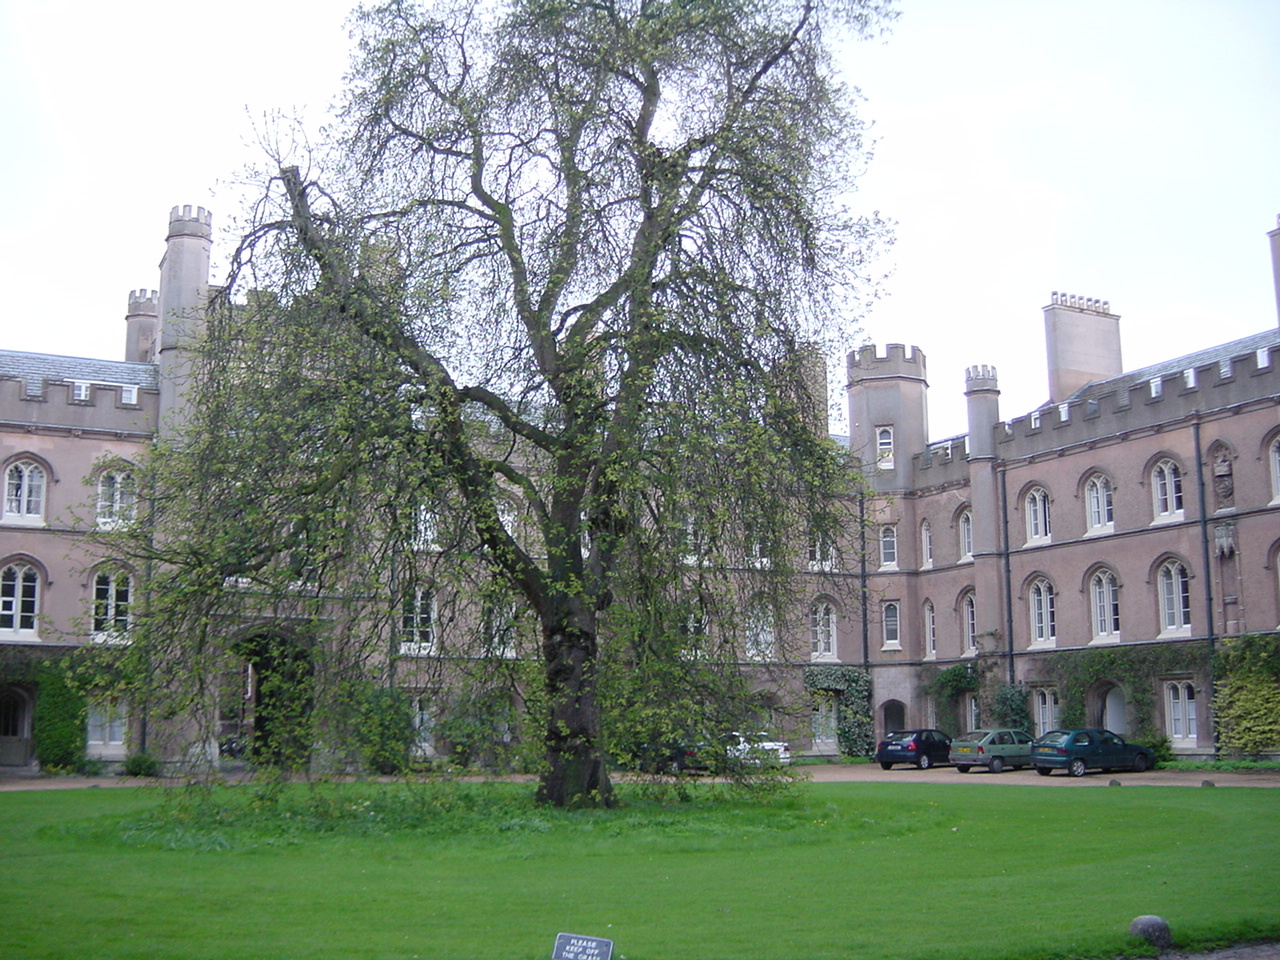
[888, 413]
[184, 296]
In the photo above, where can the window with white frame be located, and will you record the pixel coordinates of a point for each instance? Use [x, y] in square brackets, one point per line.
[19, 598]
[117, 498]
[24, 486]
[884, 448]
[759, 631]
[424, 723]
[81, 391]
[891, 622]
[1098, 504]
[107, 721]
[1180, 700]
[1044, 615]
[822, 555]
[930, 630]
[824, 719]
[973, 709]
[969, 623]
[112, 600]
[1166, 490]
[1037, 512]
[1175, 597]
[822, 630]
[500, 629]
[426, 528]
[926, 545]
[1275, 469]
[1046, 703]
[128, 394]
[889, 546]
[966, 535]
[418, 623]
[1104, 602]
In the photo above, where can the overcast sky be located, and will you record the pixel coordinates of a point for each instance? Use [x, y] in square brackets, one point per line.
[1127, 150]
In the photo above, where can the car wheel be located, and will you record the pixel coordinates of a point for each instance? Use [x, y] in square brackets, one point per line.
[885, 766]
[1139, 763]
[962, 768]
[924, 763]
[1044, 771]
[996, 765]
[1077, 768]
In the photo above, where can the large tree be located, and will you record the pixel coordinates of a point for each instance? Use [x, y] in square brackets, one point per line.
[585, 257]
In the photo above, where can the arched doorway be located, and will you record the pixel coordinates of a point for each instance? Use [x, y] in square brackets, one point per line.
[15, 727]
[1113, 711]
[894, 713]
[266, 708]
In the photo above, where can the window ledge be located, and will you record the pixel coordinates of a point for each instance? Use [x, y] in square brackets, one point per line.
[1163, 518]
[1105, 639]
[891, 647]
[417, 650]
[20, 520]
[1100, 531]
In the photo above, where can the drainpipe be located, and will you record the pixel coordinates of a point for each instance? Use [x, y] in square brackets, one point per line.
[1204, 532]
[1008, 572]
[862, 578]
[1204, 560]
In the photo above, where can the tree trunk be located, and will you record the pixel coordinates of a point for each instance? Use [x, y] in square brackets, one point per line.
[576, 775]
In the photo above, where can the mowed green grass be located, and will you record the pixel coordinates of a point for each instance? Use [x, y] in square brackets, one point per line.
[864, 871]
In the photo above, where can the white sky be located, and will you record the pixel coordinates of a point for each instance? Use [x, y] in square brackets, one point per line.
[1127, 150]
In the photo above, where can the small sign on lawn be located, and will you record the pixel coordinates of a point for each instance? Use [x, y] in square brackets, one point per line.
[573, 946]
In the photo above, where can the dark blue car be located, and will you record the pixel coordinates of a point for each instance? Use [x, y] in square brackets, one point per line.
[921, 748]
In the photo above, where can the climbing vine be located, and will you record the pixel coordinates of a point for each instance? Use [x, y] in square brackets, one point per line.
[1133, 669]
[855, 731]
[1246, 701]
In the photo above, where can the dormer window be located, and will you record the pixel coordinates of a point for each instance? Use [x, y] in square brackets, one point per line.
[81, 391]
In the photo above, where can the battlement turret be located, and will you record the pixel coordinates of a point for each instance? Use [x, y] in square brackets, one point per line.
[888, 413]
[140, 321]
[982, 393]
[898, 360]
[184, 296]
[184, 223]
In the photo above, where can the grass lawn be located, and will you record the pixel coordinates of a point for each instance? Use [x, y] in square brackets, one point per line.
[865, 871]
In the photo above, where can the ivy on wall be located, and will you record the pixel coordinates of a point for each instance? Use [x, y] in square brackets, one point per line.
[58, 720]
[946, 687]
[855, 731]
[1133, 669]
[1246, 701]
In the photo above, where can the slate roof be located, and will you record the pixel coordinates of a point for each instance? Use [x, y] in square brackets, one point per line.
[36, 368]
[1168, 368]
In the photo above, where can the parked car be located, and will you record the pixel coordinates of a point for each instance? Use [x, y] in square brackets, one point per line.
[923, 748]
[993, 749]
[1079, 750]
[755, 749]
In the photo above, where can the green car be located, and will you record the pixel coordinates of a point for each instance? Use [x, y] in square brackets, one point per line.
[1077, 751]
[993, 749]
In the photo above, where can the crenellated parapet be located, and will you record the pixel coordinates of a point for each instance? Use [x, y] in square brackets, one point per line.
[143, 303]
[1083, 304]
[1147, 398]
[898, 360]
[980, 377]
[188, 221]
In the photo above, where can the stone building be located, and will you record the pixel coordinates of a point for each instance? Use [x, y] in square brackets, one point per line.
[1134, 512]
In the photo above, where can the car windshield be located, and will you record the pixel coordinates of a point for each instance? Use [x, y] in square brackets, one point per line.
[1054, 736]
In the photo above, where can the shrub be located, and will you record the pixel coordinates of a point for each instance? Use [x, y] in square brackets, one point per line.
[385, 732]
[141, 765]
